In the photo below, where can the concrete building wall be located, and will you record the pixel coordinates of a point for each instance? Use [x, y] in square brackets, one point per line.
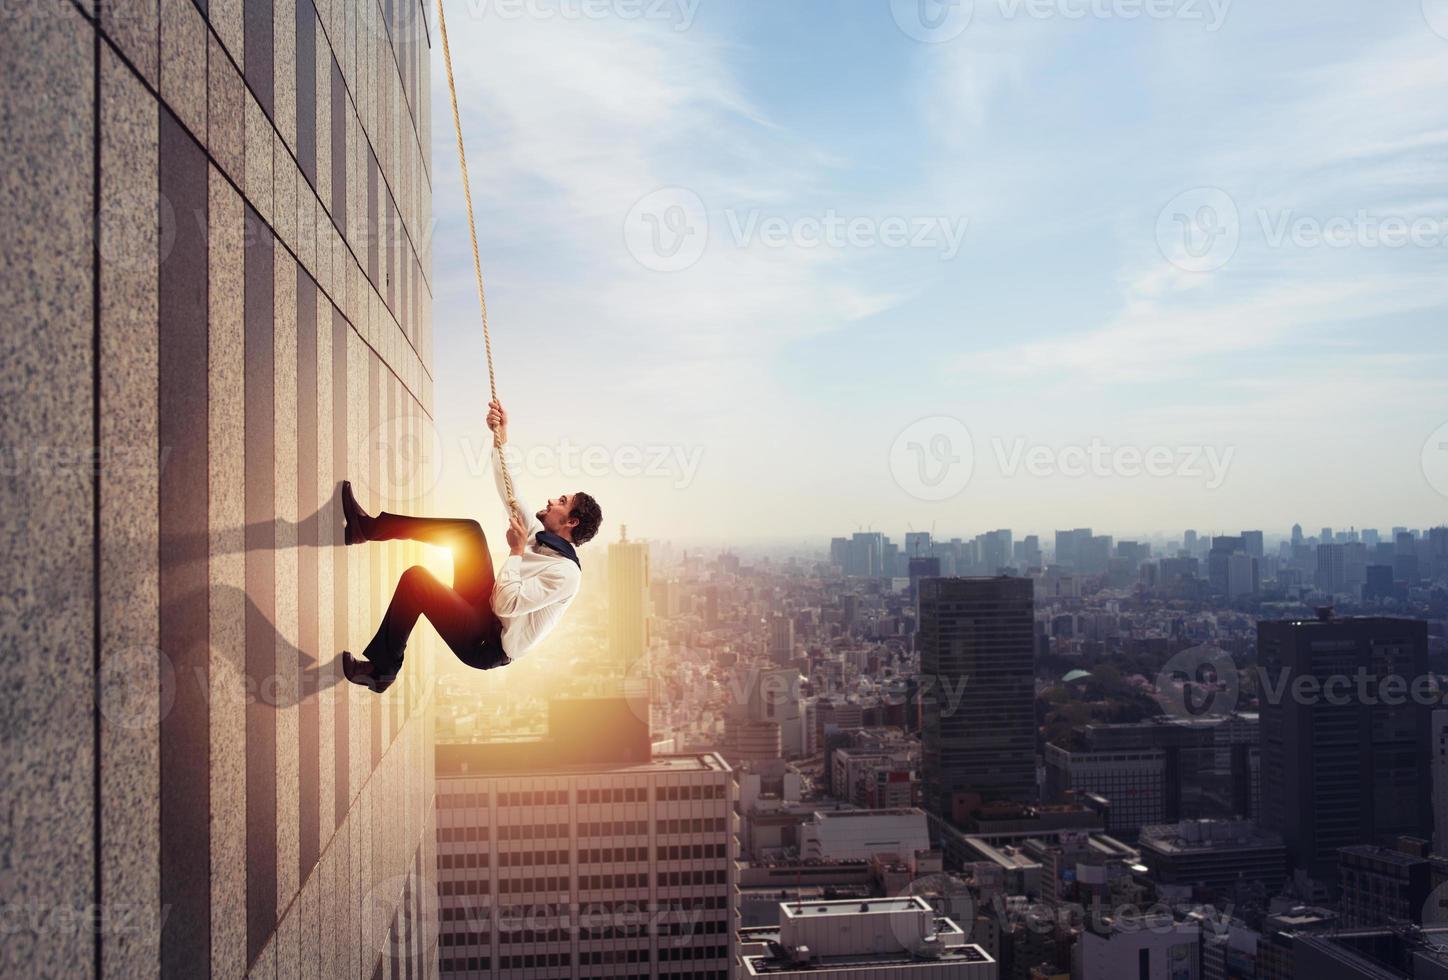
[215, 271]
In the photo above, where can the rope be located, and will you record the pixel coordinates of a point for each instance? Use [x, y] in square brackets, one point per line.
[477, 261]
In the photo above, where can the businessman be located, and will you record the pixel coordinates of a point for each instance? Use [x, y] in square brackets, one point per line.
[488, 621]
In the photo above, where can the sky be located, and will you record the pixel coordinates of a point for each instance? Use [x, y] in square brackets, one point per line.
[777, 271]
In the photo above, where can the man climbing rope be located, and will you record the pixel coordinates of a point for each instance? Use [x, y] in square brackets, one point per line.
[488, 623]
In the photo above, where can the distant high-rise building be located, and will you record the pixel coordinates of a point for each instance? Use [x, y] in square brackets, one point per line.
[1189, 542]
[1381, 584]
[1349, 763]
[866, 555]
[1252, 543]
[1242, 576]
[1438, 553]
[1331, 568]
[840, 552]
[922, 568]
[628, 601]
[977, 654]
[1297, 538]
[995, 551]
[781, 638]
[1070, 545]
[1439, 769]
[1219, 562]
[917, 544]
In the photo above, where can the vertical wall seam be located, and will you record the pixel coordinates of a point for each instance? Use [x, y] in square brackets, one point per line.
[96, 481]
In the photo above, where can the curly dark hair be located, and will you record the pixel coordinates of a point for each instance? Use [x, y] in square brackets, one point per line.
[589, 515]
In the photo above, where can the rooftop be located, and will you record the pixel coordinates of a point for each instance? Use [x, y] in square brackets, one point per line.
[904, 903]
[461, 769]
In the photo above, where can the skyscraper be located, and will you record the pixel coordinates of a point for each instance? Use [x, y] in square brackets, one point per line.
[628, 600]
[866, 555]
[977, 659]
[1343, 761]
[582, 854]
[1439, 770]
[781, 638]
[217, 275]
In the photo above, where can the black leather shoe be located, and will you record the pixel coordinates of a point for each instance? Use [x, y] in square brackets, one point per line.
[364, 673]
[354, 517]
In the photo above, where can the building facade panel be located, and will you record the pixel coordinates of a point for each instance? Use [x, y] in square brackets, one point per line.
[181, 753]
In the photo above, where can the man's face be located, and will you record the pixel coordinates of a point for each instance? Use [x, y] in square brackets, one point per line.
[555, 517]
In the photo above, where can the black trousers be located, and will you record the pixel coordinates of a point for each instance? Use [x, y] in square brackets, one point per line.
[462, 613]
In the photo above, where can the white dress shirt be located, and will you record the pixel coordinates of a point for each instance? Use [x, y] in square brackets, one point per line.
[532, 590]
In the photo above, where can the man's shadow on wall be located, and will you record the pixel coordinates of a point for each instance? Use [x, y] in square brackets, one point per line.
[320, 530]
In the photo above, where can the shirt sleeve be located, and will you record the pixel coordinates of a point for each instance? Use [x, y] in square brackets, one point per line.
[513, 595]
[500, 460]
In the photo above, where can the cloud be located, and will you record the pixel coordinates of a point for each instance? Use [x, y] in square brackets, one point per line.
[1365, 135]
[569, 124]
